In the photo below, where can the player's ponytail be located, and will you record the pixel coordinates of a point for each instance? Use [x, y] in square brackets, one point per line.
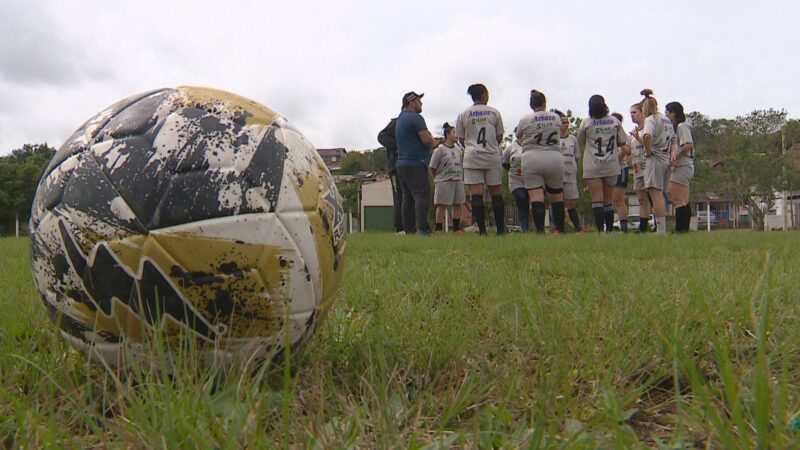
[538, 100]
[447, 128]
[649, 104]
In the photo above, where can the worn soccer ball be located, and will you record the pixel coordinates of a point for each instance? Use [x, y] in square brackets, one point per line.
[189, 213]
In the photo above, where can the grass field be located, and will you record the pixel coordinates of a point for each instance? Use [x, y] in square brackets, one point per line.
[613, 341]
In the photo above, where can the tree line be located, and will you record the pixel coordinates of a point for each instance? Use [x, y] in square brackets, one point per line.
[19, 174]
[748, 159]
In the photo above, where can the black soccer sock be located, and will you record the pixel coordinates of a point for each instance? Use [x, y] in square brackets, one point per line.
[538, 211]
[679, 219]
[597, 210]
[456, 224]
[558, 215]
[683, 216]
[576, 221]
[608, 217]
[687, 217]
[623, 225]
[439, 226]
[643, 228]
[499, 209]
[478, 212]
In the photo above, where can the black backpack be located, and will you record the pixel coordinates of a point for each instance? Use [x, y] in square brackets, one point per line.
[386, 138]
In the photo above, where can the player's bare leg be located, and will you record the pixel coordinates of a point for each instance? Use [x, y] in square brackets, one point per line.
[659, 210]
[440, 213]
[620, 206]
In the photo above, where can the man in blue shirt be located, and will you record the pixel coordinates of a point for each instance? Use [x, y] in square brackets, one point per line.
[414, 145]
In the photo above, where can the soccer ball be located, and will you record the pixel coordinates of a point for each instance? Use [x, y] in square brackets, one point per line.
[192, 213]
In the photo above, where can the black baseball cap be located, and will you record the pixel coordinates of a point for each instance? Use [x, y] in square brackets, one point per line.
[410, 97]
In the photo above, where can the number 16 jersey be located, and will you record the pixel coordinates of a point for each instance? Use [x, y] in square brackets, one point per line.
[600, 138]
[540, 130]
[479, 126]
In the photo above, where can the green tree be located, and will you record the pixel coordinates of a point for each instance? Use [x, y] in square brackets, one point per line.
[791, 133]
[378, 159]
[354, 162]
[366, 161]
[753, 166]
[19, 175]
[714, 140]
[349, 192]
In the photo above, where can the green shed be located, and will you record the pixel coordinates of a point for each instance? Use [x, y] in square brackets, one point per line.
[377, 206]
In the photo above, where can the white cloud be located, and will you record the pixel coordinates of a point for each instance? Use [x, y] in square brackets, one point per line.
[338, 69]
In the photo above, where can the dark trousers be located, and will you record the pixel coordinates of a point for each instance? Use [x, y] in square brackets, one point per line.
[523, 203]
[416, 196]
[397, 197]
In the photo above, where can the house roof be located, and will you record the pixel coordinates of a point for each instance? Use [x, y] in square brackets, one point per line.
[711, 197]
[331, 151]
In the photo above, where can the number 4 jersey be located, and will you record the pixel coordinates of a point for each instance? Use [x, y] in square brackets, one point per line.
[479, 126]
[600, 138]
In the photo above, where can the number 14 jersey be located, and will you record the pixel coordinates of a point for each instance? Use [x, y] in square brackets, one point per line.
[600, 138]
[479, 126]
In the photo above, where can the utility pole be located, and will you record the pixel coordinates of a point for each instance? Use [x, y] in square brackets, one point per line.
[785, 193]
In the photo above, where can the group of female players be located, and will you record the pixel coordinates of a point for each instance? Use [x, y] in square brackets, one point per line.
[543, 163]
[661, 151]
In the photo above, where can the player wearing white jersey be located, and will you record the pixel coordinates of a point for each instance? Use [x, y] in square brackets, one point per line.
[512, 162]
[600, 134]
[639, 161]
[570, 151]
[620, 193]
[682, 162]
[542, 163]
[447, 175]
[657, 137]
[480, 130]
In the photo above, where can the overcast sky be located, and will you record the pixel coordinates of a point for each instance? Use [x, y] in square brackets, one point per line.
[338, 69]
